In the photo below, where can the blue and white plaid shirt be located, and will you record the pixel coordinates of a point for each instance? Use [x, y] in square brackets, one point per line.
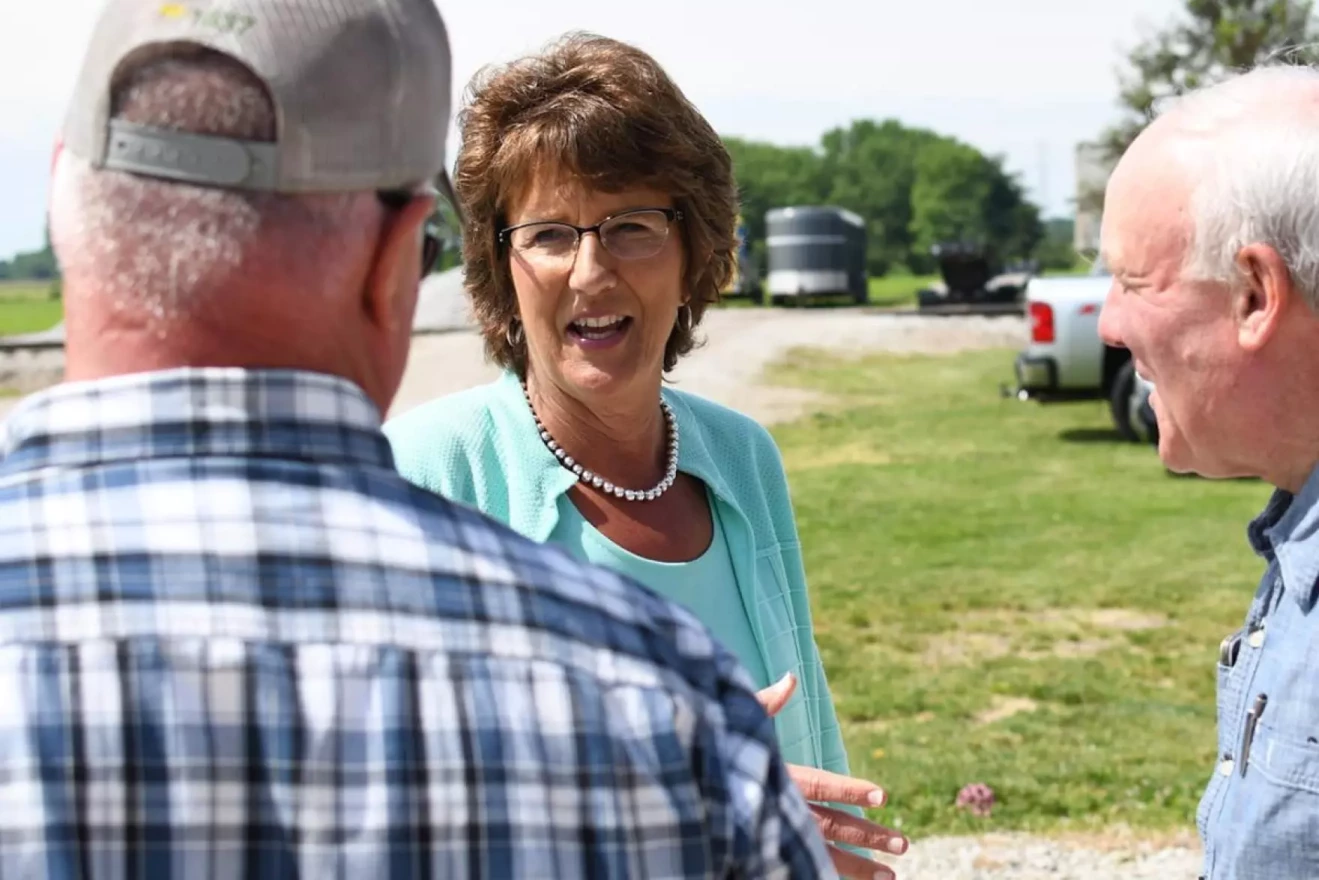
[235, 643]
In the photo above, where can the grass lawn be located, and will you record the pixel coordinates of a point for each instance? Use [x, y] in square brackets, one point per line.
[26, 307]
[1006, 594]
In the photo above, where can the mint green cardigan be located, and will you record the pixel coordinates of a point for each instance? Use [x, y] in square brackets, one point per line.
[480, 447]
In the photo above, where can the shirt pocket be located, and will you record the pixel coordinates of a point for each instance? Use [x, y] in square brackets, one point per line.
[1228, 691]
[1277, 807]
[1226, 698]
[1210, 794]
[1286, 758]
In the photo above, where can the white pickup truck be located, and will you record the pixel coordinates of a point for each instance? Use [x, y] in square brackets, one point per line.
[1066, 360]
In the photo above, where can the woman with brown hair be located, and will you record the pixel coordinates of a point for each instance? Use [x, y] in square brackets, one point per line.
[600, 210]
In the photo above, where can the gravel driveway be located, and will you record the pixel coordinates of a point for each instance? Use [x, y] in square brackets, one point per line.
[740, 343]
[1069, 857]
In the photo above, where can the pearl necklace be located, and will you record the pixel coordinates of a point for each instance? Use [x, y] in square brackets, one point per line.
[586, 475]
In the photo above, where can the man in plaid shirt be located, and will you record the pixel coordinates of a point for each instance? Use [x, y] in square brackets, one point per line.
[233, 642]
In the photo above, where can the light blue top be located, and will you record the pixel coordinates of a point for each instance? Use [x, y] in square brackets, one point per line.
[481, 447]
[687, 583]
[1257, 817]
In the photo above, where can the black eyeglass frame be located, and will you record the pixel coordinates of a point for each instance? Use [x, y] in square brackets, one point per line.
[672, 215]
[396, 200]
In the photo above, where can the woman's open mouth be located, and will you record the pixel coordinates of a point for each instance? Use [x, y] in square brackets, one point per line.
[600, 332]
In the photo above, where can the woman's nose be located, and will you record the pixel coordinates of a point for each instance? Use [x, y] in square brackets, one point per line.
[593, 265]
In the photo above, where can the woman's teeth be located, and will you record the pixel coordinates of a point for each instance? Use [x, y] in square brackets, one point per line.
[598, 328]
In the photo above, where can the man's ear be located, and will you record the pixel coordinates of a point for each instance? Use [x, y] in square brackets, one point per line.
[397, 263]
[1264, 297]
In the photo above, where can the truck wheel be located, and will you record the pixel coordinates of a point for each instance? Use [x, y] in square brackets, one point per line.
[1119, 401]
[1146, 414]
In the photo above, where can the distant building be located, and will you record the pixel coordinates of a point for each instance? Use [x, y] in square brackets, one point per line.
[1092, 170]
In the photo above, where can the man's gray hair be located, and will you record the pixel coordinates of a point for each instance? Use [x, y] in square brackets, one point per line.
[175, 248]
[1254, 146]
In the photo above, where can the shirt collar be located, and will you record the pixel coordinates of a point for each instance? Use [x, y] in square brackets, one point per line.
[1288, 530]
[193, 412]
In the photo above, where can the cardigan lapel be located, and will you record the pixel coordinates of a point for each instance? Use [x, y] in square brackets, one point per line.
[539, 480]
[694, 458]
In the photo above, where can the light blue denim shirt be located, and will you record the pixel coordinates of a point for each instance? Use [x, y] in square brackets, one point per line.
[1259, 816]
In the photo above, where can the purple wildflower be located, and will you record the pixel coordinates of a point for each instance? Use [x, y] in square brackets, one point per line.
[976, 797]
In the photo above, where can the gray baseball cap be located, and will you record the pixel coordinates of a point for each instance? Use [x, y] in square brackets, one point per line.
[361, 90]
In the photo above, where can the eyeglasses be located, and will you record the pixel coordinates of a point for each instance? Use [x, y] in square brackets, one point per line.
[629, 235]
[396, 200]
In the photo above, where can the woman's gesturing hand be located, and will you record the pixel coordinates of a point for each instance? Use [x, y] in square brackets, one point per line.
[821, 787]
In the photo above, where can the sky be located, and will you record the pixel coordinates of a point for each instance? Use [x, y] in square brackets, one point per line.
[1025, 79]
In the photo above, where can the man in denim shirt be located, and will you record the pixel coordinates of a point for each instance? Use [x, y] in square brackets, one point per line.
[1211, 228]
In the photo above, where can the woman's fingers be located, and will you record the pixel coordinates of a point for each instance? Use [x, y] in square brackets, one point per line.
[824, 787]
[840, 827]
[775, 697]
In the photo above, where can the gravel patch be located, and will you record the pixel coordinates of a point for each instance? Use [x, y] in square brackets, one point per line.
[25, 370]
[1028, 857]
[737, 346]
[741, 343]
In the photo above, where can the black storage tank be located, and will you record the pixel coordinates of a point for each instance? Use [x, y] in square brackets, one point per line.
[815, 250]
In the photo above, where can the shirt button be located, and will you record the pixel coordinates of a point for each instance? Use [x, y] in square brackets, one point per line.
[1226, 767]
[1256, 637]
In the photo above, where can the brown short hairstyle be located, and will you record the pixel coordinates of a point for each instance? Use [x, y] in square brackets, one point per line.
[606, 113]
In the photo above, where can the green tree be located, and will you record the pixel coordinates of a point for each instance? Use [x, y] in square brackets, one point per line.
[949, 195]
[1057, 250]
[34, 266]
[771, 176]
[39, 265]
[1015, 227]
[962, 195]
[1209, 40]
[913, 187]
[871, 170]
